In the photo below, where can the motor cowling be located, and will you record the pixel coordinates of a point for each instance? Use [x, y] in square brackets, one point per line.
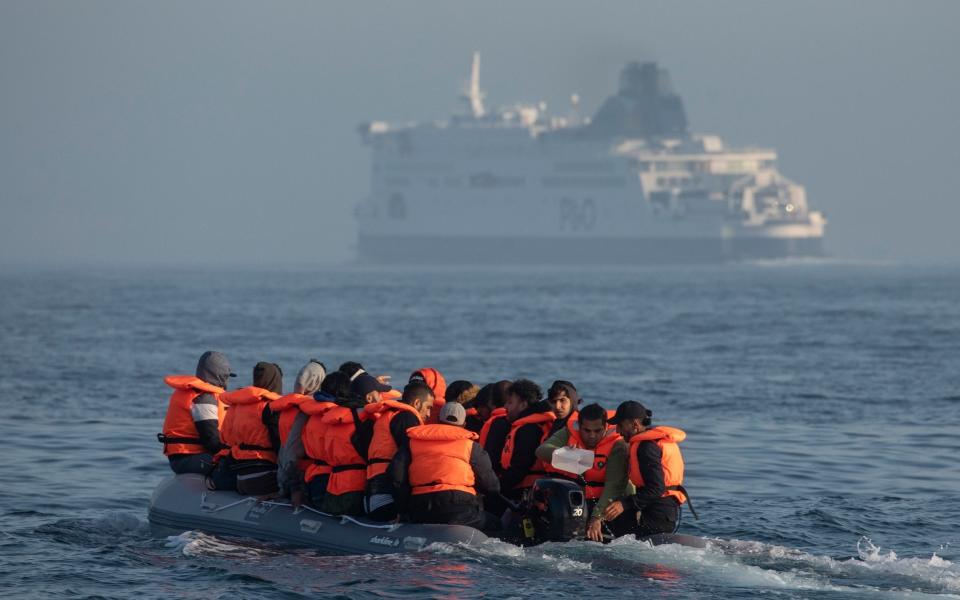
[556, 512]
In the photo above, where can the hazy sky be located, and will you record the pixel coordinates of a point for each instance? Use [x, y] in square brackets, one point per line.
[225, 131]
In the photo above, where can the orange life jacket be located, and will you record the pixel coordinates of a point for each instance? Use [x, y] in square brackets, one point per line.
[440, 459]
[391, 395]
[287, 408]
[671, 460]
[438, 384]
[382, 446]
[545, 422]
[243, 428]
[595, 477]
[312, 437]
[180, 435]
[498, 413]
[348, 470]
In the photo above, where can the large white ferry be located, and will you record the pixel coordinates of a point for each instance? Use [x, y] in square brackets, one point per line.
[629, 185]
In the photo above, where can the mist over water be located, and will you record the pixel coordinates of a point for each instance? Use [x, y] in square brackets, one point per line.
[820, 401]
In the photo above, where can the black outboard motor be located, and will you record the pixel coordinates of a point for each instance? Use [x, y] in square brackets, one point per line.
[555, 511]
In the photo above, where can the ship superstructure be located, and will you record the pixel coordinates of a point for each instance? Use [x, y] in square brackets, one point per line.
[629, 185]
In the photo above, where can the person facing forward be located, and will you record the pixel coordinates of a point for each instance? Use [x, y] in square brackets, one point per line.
[564, 399]
[655, 468]
[606, 479]
[440, 474]
[393, 420]
[530, 422]
[191, 429]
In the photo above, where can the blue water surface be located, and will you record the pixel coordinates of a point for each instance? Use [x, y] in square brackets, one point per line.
[821, 402]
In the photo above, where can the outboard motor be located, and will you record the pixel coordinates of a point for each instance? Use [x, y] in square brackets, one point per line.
[555, 512]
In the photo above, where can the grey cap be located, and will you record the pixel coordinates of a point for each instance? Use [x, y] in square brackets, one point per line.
[453, 414]
[310, 377]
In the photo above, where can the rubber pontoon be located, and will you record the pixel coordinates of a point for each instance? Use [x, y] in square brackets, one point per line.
[183, 503]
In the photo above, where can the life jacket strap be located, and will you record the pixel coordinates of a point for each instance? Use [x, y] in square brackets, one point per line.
[255, 447]
[320, 463]
[342, 468]
[377, 461]
[683, 490]
[164, 439]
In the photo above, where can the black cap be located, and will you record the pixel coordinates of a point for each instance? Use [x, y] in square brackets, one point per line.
[364, 383]
[630, 409]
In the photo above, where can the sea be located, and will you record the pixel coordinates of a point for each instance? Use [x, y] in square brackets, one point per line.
[821, 401]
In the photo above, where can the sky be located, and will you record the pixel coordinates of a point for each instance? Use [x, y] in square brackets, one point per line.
[225, 132]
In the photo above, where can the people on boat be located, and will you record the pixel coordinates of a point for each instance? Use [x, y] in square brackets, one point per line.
[249, 430]
[606, 480]
[531, 419]
[393, 419]
[655, 468]
[442, 474]
[565, 400]
[493, 434]
[289, 412]
[191, 428]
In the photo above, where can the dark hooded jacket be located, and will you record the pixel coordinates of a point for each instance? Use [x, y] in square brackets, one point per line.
[214, 369]
[525, 443]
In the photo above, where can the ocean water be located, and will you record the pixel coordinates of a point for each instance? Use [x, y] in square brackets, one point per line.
[821, 401]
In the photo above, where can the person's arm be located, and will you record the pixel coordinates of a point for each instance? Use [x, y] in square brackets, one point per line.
[271, 421]
[485, 480]
[651, 469]
[496, 438]
[555, 442]
[399, 426]
[205, 413]
[289, 477]
[361, 437]
[524, 456]
[616, 481]
[399, 472]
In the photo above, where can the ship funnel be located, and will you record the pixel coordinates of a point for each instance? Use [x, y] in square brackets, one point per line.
[472, 93]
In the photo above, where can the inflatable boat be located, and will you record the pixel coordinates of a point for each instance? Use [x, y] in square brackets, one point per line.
[183, 503]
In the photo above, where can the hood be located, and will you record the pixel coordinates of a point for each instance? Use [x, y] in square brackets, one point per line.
[440, 432]
[310, 377]
[434, 380]
[214, 368]
[268, 376]
[189, 382]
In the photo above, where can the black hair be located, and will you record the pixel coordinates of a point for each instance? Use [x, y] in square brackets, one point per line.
[336, 384]
[526, 390]
[351, 368]
[593, 412]
[415, 390]
[500, 390]
[485, 396]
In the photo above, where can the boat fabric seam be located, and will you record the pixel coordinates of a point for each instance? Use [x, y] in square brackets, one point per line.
[343, 518]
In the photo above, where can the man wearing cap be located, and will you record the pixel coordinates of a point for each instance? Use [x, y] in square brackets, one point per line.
[191, 429]
[655, 468]
[441, 475]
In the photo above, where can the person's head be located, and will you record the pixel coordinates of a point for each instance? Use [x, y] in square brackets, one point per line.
[462, 392]
[268, 376]
[500, 390]
[520, 396]
[309, 378]
[592, 425]
[337, 385]
[366, 387]
[351, 369]
[418, 395]
[214, 368]
[434, 379]
[563, 397]
[484, 402]
[631, 418]
[452, 413]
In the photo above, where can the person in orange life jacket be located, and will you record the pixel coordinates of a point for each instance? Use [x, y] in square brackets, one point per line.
[530, 421]
[655, 467]
[304, 443]
[250, 430]
[290, 415]
[437, 383]
[441, 473]
[564, 399]
[607, 480]
[496, 427]
[346, 439]
[465, 393]
[191, 429]
[389, 434]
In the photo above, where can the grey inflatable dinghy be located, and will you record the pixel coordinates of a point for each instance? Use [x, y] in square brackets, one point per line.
[183, 503]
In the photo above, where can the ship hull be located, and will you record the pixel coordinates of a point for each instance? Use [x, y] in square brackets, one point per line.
[502, 250]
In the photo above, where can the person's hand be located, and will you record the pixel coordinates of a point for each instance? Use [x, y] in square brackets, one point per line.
[594, 530]
[296, 499]
[384, 379]
[614, 510]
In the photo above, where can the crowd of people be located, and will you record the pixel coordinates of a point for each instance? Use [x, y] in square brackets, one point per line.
[347, 443]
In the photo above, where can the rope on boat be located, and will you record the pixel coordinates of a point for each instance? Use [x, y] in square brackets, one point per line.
[343, 518]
